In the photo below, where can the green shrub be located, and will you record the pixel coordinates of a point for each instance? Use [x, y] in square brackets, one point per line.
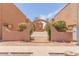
[60, 25]
[32, 29]
[48, 29]
[21, 26]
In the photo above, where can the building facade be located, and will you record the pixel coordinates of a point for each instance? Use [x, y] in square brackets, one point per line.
[10, 15]
[69, 14]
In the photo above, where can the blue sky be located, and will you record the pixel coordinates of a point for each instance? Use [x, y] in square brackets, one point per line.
[46, 10]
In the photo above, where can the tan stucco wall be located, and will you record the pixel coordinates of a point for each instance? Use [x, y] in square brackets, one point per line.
[0, 24]
[61, 36]
[15, 35]
[68, 14]
[78, 15]
[10, 14]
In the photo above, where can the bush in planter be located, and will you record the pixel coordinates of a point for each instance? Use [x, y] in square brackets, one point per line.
[21, 26]
[60, 25]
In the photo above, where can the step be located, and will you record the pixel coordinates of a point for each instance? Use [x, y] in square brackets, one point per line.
[40, 37]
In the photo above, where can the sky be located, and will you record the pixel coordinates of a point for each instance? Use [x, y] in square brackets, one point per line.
[44, 10]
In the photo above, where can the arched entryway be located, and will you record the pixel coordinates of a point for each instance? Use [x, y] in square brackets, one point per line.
[39, 31]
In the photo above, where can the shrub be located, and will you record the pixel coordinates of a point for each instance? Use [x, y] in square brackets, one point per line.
[48, 29]
[60, 25]
[21, 26]
[32, 29]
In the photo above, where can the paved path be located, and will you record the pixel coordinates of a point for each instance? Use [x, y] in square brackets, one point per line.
[40, 36]
[39, 49]
[22, 43]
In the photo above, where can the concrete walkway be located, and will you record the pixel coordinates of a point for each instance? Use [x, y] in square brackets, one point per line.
[38, 49]
[40, 37]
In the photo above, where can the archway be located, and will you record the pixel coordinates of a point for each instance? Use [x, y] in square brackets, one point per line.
[39, 25]
[39, 32]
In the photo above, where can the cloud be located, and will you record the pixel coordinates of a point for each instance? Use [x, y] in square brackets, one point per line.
[52, 14]
[42, 17]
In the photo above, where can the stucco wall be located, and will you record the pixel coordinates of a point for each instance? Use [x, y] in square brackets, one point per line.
[0, 24]
[9, 35]
[11, 15]
[78, 14]
[68, 14]
[60, 36]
